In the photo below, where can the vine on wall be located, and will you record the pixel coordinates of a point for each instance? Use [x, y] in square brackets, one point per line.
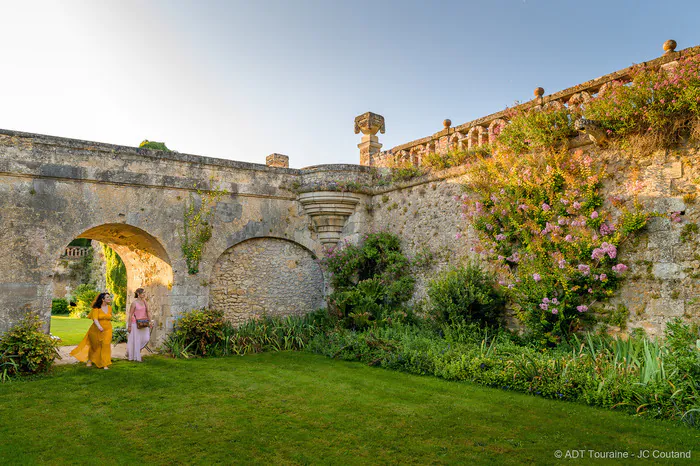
[198, 222]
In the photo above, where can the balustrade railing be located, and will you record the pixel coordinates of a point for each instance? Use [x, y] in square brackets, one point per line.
[75, 251]
[483, 130]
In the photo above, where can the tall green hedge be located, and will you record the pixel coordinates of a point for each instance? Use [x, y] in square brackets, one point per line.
[115, 278]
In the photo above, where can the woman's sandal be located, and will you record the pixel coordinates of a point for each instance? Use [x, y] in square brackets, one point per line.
[88, 364]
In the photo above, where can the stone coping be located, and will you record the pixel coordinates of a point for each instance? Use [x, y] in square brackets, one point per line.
[79, 144]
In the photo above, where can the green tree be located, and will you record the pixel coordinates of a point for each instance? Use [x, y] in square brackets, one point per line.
[116, 278]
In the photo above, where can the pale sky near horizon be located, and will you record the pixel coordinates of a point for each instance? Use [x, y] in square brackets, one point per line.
[240, 80]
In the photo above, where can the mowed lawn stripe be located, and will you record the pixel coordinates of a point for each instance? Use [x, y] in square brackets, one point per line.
[290, 408]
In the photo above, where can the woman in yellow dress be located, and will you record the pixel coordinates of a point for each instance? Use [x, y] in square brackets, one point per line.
[96, 347]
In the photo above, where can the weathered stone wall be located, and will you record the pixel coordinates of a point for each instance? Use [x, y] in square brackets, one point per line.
[427, 217]
[664, 275]
[53, 190]
[266, 276]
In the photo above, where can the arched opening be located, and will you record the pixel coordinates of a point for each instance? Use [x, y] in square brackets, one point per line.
[266, 276]
[146, 262]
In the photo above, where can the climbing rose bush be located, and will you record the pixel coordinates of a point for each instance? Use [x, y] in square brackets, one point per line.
[541, 222]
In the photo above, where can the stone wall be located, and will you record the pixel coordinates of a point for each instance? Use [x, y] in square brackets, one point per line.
[664, 276]
[53, 190]
[266, 276]
[426, 216]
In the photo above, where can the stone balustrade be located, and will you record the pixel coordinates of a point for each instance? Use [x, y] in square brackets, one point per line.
[75, 251]
[483, 130]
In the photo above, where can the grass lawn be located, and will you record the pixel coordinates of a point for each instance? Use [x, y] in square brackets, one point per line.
[302, 408]
[70, 330]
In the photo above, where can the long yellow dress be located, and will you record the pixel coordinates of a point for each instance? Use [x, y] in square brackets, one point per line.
[97, 346]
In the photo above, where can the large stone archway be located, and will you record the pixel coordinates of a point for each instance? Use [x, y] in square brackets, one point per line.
[266, 276]
[147, 266]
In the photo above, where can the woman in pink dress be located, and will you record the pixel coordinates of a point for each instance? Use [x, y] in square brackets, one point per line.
[138, 337]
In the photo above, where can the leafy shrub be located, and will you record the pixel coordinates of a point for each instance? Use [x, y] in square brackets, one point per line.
[466, 294]
[84, 295]
[370, 281]
[119, 335]
[455, 158]
[543, 130]
[683, 341]
[146, 144]
[59, 307]
[253, 336]
[199, 329]
[26, 349]
[665, 103]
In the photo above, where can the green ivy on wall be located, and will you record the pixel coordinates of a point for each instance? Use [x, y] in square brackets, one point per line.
[197, 225]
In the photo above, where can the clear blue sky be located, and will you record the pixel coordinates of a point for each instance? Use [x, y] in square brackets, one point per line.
[243, 79]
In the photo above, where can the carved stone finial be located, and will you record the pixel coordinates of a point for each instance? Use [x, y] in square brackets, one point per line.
[670, 46]
[277, 160]
[447, 123]
[369, 123]
[539, 92]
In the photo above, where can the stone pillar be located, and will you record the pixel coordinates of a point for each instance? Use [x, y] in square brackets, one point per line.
[369, 123]
[277, 160]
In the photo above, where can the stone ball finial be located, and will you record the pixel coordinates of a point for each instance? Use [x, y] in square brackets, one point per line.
[539, 92]
[447, 123]
[670, 46]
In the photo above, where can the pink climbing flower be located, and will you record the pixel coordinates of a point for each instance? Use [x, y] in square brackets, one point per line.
[545, 207]
[458, 235]
[594, 214]
[620, 268]
[582, 308]
[555, 311]
[603, 277]
[536, 277]
[562, 264]
[500, 237]
[576, 205]
[584, 269]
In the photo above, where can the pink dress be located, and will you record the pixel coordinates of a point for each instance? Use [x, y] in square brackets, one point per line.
[138, 338]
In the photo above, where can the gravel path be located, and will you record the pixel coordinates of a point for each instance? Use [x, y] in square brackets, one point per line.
[118, 352]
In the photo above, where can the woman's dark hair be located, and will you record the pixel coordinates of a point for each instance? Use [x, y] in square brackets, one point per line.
[138, 292]
[98, 301]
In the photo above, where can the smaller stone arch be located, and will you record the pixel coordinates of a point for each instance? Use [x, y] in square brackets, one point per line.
[495, 128]
[473, 136]
[553, 105]
[266, 276]
[579, 98]
[416, 154]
